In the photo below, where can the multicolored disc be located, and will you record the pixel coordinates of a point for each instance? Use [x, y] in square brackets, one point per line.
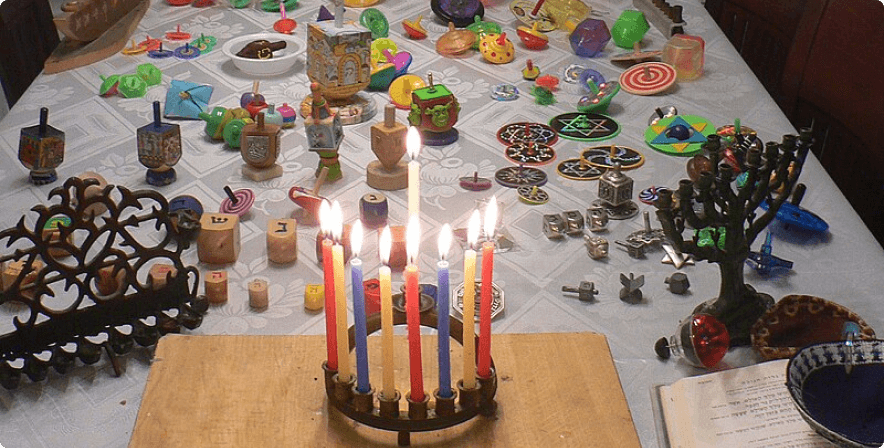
[576, 169]
[186, 51]
[649, 195]
[680, 135]
[532, 195]
[584, 126]
[530, 153]
[244, 200]
[607, 156]
[527, 132]
[648, 78]
[518, 176]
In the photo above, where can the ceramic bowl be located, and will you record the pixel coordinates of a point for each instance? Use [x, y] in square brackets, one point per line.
[845, 408]
[281, 62]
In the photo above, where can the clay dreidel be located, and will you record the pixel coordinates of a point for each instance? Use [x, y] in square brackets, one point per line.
[314, 297]
[218, 241]
[282, 240]
[258, 297]
[259, 148]
[14, 270]
[216, 287]
[41, 150]
[159, 274]
[159, 149]
[389, 172]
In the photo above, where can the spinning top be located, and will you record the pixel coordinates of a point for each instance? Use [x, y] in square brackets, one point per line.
[459, 12]
[310, 200]
[134, 49]
[701, 339]
[532, 37]
[497, 49]
[414, 29]
[637, 55]
[109, 85]
[475, 183]
[531, 71]
[237, 202]
[531, 13]
[455, 41]
[160, 53]
[648, 78]
[284, 25]
[150, 44]
[533, 195]
[177, 34]
[482, 28]
[41, 150]
[186, 52]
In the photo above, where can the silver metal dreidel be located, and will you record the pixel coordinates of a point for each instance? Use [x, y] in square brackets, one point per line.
[630, 293]
[585, 292]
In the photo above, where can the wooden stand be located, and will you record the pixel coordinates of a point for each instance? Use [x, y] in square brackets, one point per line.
[557, 389]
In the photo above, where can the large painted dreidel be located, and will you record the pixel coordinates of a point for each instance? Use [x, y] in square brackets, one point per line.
[324, 134]
[41, 150]
[159, 149]
[259, 148]
[218, 241]
[389, 171]
[434, 111]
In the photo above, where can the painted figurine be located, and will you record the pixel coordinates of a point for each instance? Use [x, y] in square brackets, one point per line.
[41, 150]
[159, 149]
[324, 134]
[434, 111]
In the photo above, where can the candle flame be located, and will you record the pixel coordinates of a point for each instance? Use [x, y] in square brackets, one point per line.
[444, 241]
[324, 217]
[412, 238]
[490, 218]
[336, 226]
[385, 245]
[473, 229]
[356, 238]
[413, 142]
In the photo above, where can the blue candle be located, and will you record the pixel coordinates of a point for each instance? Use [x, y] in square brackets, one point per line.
[362, 382]
[442, 297]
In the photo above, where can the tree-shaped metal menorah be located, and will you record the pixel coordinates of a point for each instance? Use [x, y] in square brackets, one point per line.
[725, 221]
[447, 412]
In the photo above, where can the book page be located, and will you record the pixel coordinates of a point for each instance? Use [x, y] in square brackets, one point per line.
[747, 407]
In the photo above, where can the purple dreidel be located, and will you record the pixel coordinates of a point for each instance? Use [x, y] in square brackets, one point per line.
[41, 150]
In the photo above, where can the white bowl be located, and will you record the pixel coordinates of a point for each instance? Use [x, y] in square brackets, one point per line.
[281, 62]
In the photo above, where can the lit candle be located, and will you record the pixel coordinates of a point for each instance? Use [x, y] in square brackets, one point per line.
[384, 246]
[484, 369]
[412, 309]
[442, 313]
[413, 146]
[331, 335]
[469, 303]
[362, 381]
[340, 294]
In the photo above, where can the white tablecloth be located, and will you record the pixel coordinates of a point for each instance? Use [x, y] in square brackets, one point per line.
[91, 408]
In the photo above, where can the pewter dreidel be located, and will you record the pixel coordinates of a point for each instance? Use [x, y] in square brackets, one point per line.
[159, 148]
[41, 150]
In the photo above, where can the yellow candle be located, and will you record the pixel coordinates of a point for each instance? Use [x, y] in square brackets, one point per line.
[469, 304]
[413, 146]
[385, 243]
[340, 295]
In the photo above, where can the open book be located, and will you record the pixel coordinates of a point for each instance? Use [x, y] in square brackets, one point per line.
[747, 407]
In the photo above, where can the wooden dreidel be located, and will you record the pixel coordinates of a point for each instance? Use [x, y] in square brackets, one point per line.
[282, 240]
[259, 148]
[92, 194]
[259, 298]
[314, 297]
[389, 172]
[216, 287]
[159, 149]
[52, 236]
[108, 281]
[41, 150]
[218, 241]
[14, 270]
[159, 275]
[324, 134]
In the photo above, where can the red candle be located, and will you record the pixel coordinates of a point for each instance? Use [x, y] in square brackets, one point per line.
[484, 365]
[412, 311]
[330, 329]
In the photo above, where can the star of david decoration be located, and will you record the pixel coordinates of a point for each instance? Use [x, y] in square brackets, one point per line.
[576, 169]
[662, 136]
[530, 153]
[607, 156]
[585, 126]
[517, 176]
[527, 132]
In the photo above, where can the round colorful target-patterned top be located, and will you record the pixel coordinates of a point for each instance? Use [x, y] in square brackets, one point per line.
[244, 200]
[530, 153]
[518, 176]
[607, 156]
[680, 135]
[584, 126]
[648, 78]
[577, 169]
[527, 132]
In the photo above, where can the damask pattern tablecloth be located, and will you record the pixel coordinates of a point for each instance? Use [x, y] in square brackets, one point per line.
[91, 408]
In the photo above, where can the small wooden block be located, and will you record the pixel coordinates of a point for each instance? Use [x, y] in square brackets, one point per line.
[218, 240]
[282, 240]
[258, 297]
[314, 297]
[216, 287]
[13, 270]
[261, 174]
[158, 273]
[107, 283]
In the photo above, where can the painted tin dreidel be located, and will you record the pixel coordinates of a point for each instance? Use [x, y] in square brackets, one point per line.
[159, 149]
[434, 111]
[497, 49]
[41, 150]
[324, 134]
[259, 148]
